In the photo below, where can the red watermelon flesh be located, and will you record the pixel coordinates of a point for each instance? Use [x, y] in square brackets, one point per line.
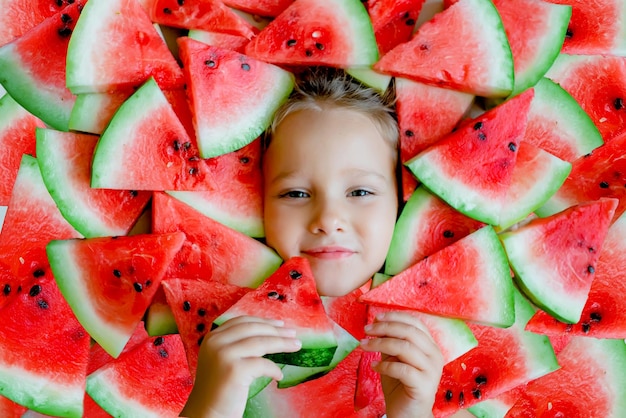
[433, 56]
[602, 173]
[65, 163]
[36, 80]
[210, 15]
[596, 27]
[409, 183]
[195, 304]
[468, 280]
[10, 409]
[117, 275]
[271, 8]
[471, 168]
[151, 380]
[115, 46]
[31, 221]
[348, 312]
[236, 199]
[393, 21]
[598, 83]
[17, 137]
[604, 313]
[421, 118]
[335, 33]
[44, 351]
[590, 383]
[9, 283]
[211, 251]
[555, 258]
[504, 358]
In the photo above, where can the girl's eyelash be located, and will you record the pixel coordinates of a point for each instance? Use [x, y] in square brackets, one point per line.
[293, 194]
[361, 193]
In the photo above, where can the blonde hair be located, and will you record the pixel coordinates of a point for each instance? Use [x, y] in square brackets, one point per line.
[320, 87]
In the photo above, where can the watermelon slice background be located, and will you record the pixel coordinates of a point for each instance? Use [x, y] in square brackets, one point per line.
[591, 95]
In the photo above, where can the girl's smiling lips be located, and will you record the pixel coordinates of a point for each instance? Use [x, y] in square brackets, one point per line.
[330, 252]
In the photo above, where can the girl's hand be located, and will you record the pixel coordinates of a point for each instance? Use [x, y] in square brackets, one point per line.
[230, 358]
[411, 364]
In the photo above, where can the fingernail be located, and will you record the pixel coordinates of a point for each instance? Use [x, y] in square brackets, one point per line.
[380, 315]
[365, 341]
[297, 343]
[278, 322]
[368, 327]
[375, 363]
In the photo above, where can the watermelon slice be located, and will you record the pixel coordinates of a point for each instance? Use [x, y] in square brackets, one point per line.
[210, 15]
[118, 275]
[476, 60]
[601, 173]
[485, 150]
[151, 380]
[37, 80]
[604, 314]
[426, 225]
[237, 197]
[195, 304]
[468, 280]
[290, 294]
[555, 258]
[595, 27]
[211, 251]
[66, 170]
[145, 132]
[393, 21]
[598, 83]
[93, 111]
[221, 40]
[503, 359]
[335, 33]
[420, 117]
[233, 98]
[17, 128]
[557, 123]
[590, 383]
[115, 46]
[43, 351]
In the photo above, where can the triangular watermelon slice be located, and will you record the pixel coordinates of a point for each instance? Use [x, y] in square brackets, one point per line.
[290, 295]
[471, 168]
[17, 137]
[117, 275]
[476, 60]
[393, 21]
[468, 280]
[115, 46]
[335, 33]
[233, 97]
[37, 81]
[65, 163]
[555, 258]
[43, 351]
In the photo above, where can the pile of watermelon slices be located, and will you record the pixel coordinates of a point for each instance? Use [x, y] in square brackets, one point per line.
[131, 191]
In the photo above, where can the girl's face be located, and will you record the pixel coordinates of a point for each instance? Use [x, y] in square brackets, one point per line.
[330, 195]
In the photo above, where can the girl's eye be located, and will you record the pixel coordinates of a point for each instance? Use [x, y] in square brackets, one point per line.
[360, 193]
[295, 194]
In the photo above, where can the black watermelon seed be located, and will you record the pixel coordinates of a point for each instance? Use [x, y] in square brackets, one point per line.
[604, 185]
[186, 306]
[200, 327]
[291, 42]
[410, 22]
[181, 2]
[19, 289]
[409, 133]
[200, 340]
[158, 341]
[569, 33]
[245, 66]
[585, 327]
[176, 145]
[476, 393]
[590, 269]
[70, 1]
[35, 290]
[134, 193]
[618, 103]
[319, 46]
[512, 146]
[193, 171]
[117, 273]
[448, 234]
[65, 18]
[448, 396]
[481, 136]
[193, 159]
[6, 289]
[478, 125]
[273, 295]
[138, 287]
[148, 282]
[201, 312]
[163, 353]
[167, 10]
[65, 32]
[591, 249]
[59, 3]
[244, 160]
[595, 317]
[43, 304]
[38, 273]
[308, 53]
[480, 380]
[209, 63]
[461, 399]
[295, 275]
[406, 15]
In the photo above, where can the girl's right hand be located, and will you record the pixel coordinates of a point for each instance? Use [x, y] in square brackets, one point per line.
[230, 359]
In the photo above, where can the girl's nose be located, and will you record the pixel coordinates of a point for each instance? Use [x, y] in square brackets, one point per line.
[328, 217]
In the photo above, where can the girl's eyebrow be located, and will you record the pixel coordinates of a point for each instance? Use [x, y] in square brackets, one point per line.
[360, 172]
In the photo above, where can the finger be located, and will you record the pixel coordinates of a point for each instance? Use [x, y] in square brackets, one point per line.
[248, 319]
[257, 346]
[405, 351]
[245, 329]
[405, 317]
[403, 331]
[260, 366]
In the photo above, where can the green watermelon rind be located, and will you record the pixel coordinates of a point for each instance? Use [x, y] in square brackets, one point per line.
[366, 75]
[553, 102]
[70, 280]
[57, 400]
[251, 226]
[43, 103]
[85, 115]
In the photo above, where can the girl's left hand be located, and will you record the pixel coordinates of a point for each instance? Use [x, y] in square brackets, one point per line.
[411, 364]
